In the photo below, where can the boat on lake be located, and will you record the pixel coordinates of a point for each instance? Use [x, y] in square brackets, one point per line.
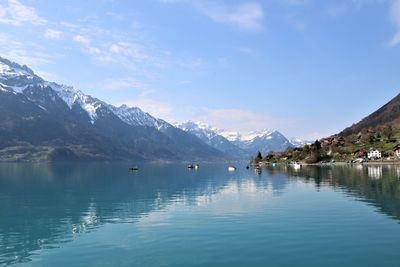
[231, 168]
[296, 165]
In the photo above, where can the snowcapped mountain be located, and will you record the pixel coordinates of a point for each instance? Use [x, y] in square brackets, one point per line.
[296, 142]
[264, 141]
[47, 121]
[210, 136]
[245, 145]
[136, 117]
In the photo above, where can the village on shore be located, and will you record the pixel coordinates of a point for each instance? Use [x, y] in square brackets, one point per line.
[378, 147]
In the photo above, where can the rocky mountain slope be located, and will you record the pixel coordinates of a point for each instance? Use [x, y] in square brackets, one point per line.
[46, 121]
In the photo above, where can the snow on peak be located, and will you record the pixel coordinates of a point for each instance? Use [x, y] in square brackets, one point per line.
[136, 117]
[297, 142]
[230, 135]
[248, 137]
[198, 128]
[265, 133]
[15, 76]
[72, 96]
[12, 69]
[191, 125]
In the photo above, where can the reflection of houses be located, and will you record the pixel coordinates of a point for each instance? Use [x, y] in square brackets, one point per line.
[374, 154]
[397, 150]
[375, 172]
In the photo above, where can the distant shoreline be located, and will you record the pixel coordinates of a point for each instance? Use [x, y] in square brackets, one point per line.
[392, 162]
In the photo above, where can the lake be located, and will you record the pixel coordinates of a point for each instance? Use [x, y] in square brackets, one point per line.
[167, 215]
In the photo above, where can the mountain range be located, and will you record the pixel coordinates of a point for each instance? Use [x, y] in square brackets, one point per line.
[241, 145]
[47, 121]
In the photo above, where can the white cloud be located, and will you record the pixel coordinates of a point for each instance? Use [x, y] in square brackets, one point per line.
[88, 48]
[17, 14]
[128, 49]
[247, 16]
[22, 52]
[395, 15]
[52, 34]
[83, 40]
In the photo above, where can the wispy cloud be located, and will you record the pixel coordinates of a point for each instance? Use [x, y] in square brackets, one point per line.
[52, 34]
[235, 119]
[395, 15]
[248, 16]
[83, 40]
[17, 14]
[128, 49]
[26, 53]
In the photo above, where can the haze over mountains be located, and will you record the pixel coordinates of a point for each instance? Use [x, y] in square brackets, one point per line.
[46, 121]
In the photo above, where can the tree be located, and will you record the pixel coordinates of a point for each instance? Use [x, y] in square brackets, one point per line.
[259, 156]
[388, 132]
[317, 145]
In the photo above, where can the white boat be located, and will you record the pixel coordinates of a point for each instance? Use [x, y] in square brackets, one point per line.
[231, 168]
[297, 165]
[196, 167]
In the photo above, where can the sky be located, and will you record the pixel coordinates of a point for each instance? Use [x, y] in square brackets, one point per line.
[307, 68]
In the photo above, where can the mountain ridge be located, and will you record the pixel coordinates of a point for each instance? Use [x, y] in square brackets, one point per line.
[62, 122]
[247, 145]
[387, 115]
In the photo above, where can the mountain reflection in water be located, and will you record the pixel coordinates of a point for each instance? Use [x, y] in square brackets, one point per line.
[45, 206]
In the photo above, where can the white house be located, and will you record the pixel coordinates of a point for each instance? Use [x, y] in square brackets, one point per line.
[397, 151]
[374, 154]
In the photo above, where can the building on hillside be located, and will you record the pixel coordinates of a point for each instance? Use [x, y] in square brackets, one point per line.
[374, 154]
[361, 153]
[397, 150]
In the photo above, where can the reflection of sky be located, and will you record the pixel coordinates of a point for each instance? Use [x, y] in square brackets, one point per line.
[191, 202]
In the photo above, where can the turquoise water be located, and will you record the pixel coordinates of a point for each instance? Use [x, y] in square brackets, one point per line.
[166, 215]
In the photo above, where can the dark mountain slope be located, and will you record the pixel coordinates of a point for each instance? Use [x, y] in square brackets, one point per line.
[388, 115]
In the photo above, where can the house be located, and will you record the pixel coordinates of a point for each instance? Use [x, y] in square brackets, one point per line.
[361, 153]
[374, 154]
[397, 150]
[326, 142]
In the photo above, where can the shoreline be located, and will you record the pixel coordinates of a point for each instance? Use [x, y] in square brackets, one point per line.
[341, 163]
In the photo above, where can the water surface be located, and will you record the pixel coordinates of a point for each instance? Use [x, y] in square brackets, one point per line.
[166, 215]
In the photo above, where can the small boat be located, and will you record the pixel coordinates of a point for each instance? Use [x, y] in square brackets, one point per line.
[133, 168]
[231, 168]
[190, 166]
[297, 165]
[247, 167]
[196, 167]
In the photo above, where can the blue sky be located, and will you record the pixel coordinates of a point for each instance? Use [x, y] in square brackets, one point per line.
[308, 68]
